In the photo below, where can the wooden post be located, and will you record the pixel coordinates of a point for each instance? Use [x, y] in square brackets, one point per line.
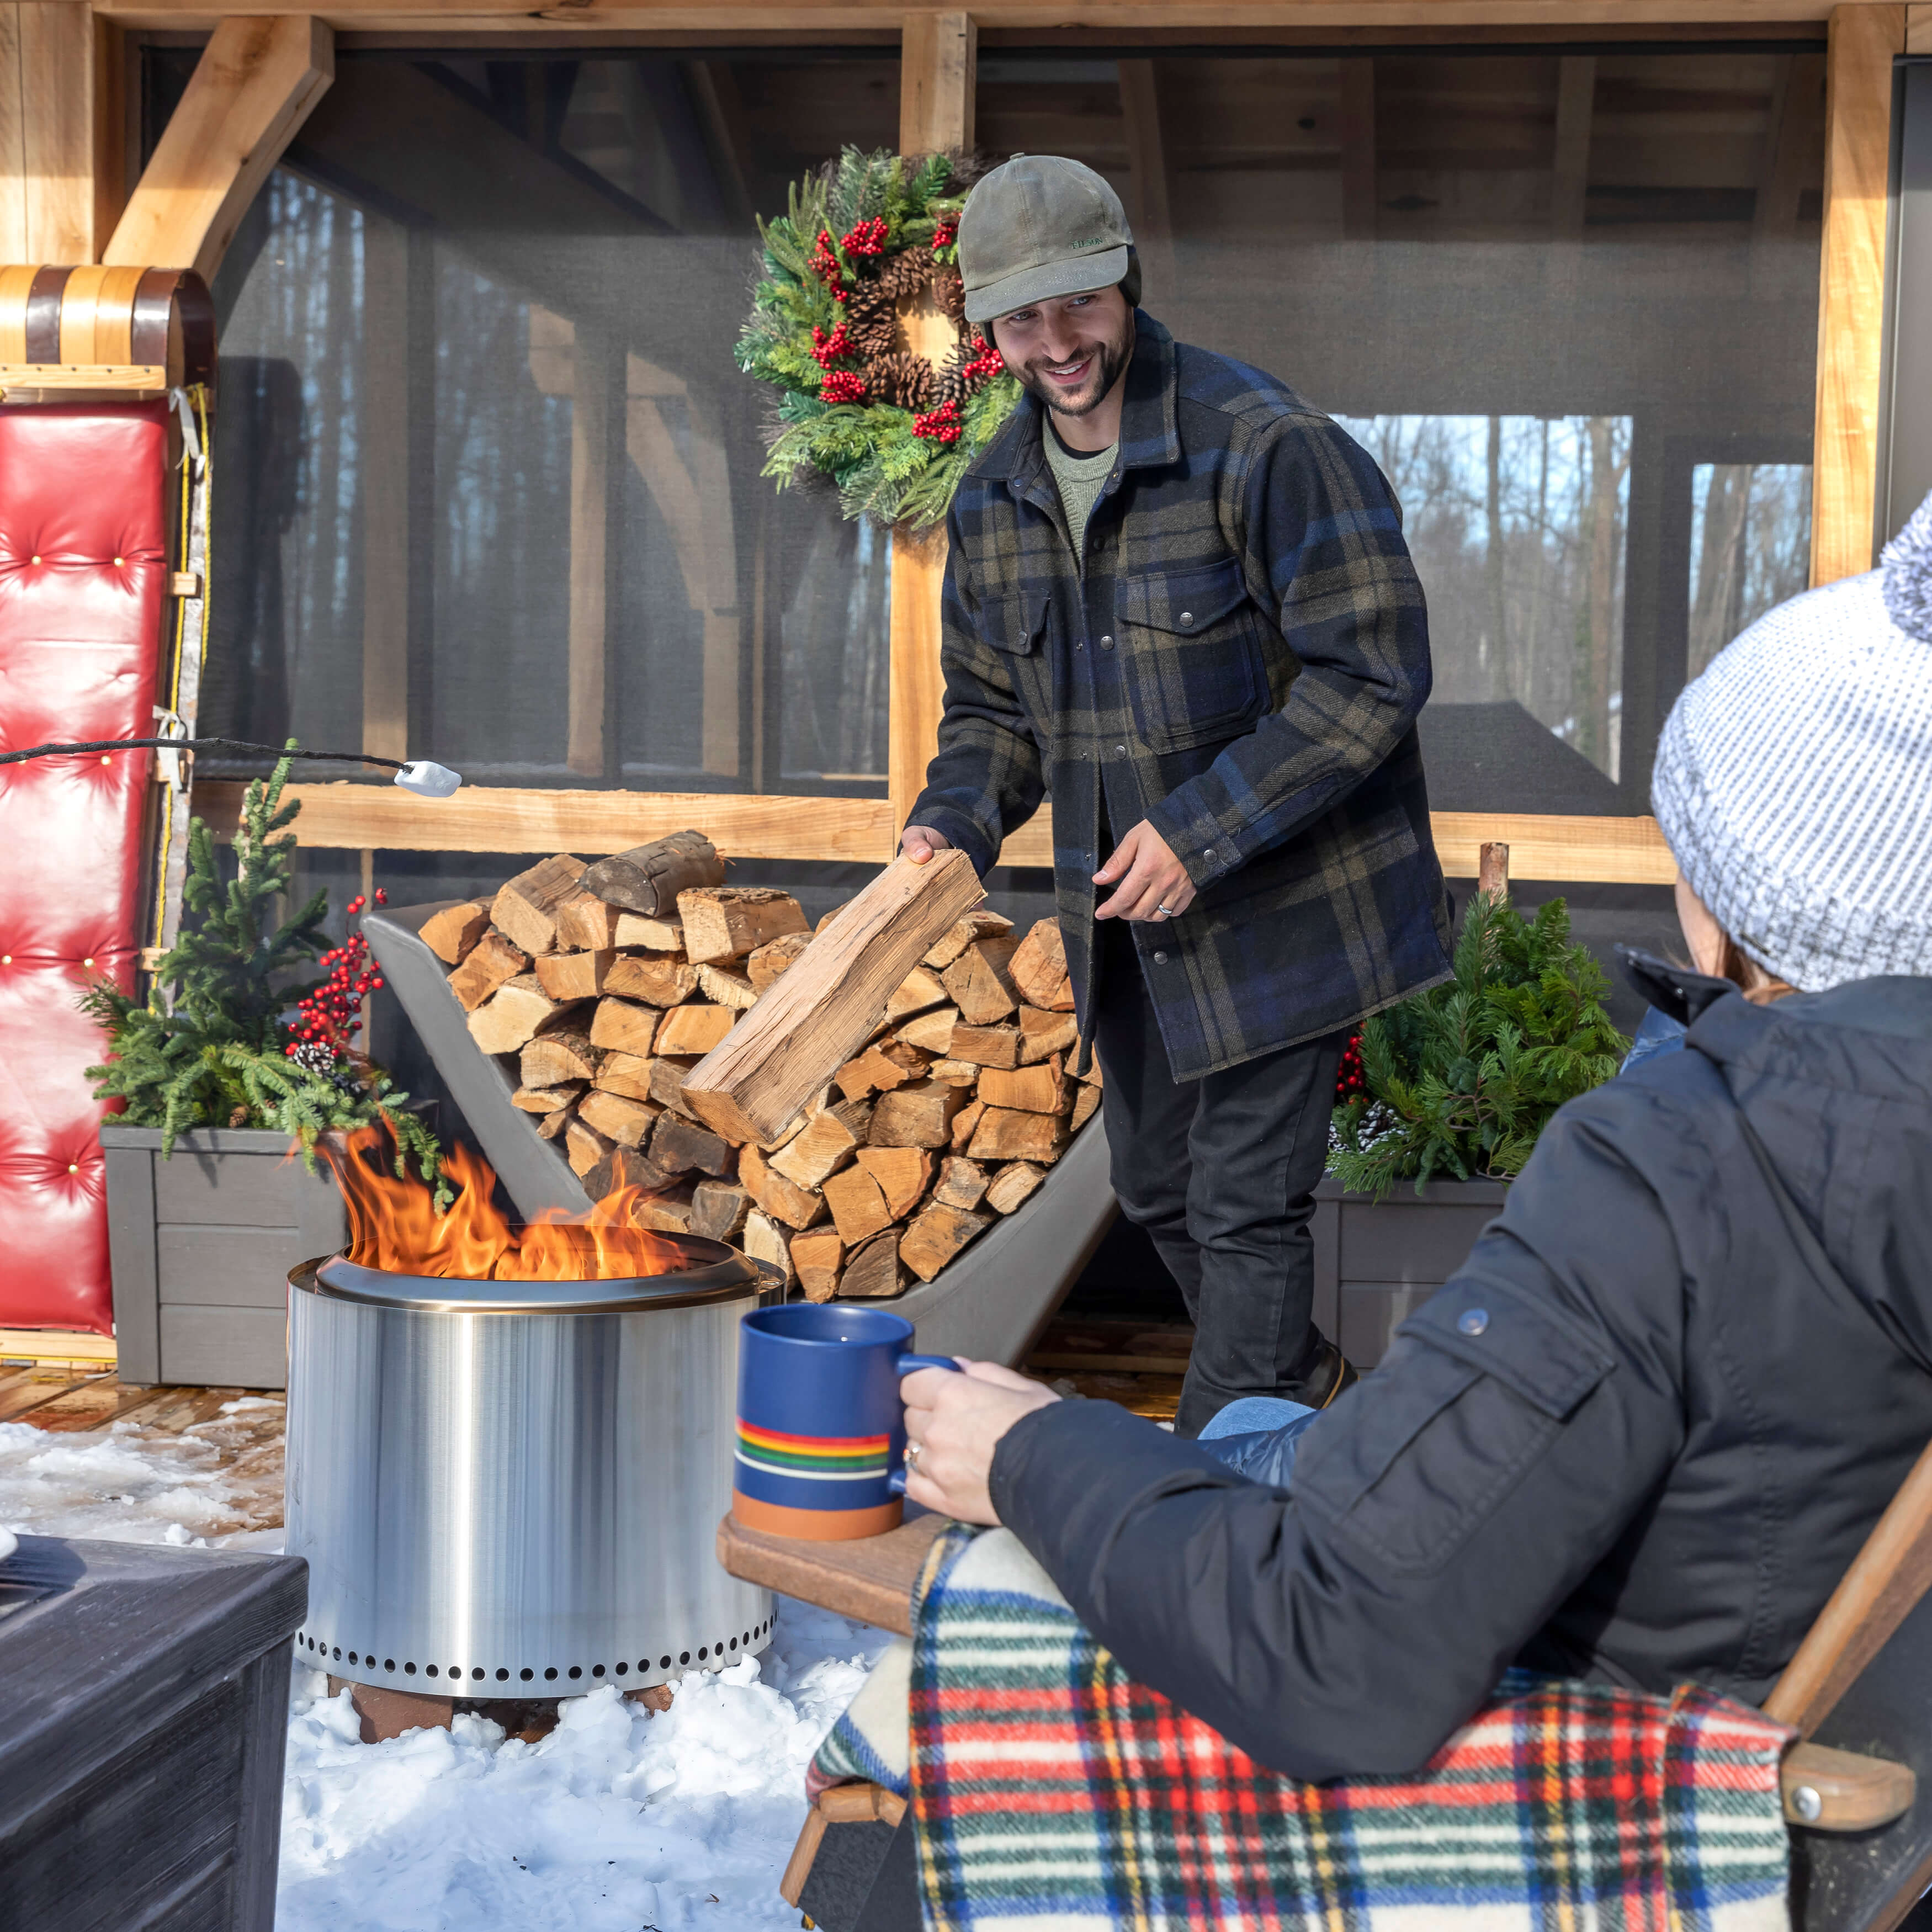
[1918, 28]
[1857, 153]
[385, 489]
[255, 84]
[1150, 181]
[1492, 870]
[1570, 169]
[60, 129]
[589, 551]
[937, 61]
[1358, 147]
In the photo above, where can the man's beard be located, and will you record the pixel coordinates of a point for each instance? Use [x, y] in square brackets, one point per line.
[1111, 357]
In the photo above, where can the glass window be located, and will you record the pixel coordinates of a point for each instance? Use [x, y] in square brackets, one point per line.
[489, 484]
[1542, 286]
[1751, 547]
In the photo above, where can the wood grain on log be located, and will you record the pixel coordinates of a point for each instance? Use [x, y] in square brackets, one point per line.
[513, 1016]
[904, 1173]
[953, 1072]
[1043, 1033]
[858, 1205]
[1039, 969]
[585, 922]
[562, 1053]
[624, 1167]
[453, 933]
[545, 1099]
[937, 1236]
[932, 1032]
[987, 1045]
[1013, 1186]
[1004, 1133]
[782, 1198]
[573, 976]
[621, 1026]
[920, 989]
[962, 1182]
[585, 1147]
[628, 1123]
[810, 1158]
[717, 1210]
[816, 1018]
[765, 1241]
[666, 1212]
[668, 1079]
[965, 1124]
[725, 988]
[654, 935]
[552, 1125]
[918, 1116]
[693, 1028]
[656, 981]
[526, 907]
[681, 1146]
[727, 922]
[977, 924]
[874, 1272]
[769, 963]
[980, 982]
[628, 1074]
[1086, 1105]
[647, 879]
[817, 1256]
[493, 961]
[1038, 1089]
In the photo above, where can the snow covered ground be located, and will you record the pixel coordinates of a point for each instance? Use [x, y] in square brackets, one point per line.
[618, 1821]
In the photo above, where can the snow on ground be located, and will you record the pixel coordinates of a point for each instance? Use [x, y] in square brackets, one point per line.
[618, 1821]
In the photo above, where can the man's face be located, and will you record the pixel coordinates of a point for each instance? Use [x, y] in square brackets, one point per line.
[1070, 351]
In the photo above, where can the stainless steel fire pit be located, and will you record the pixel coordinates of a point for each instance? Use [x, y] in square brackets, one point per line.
[511, 1488]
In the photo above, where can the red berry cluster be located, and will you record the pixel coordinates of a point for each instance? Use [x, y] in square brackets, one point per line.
[946, 233]
[826, 265]
[827, 349]
[867, 239]
[1349, 1079]
[942, 424]
[327, 1018]
[987, 363]
[843, 386]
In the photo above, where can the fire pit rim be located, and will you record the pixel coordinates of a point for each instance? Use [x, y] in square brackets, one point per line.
[731, 1276]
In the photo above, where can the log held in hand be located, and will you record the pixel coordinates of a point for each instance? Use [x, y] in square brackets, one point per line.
[809, 1023]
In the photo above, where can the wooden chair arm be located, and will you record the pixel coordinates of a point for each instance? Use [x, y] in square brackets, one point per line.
[1827, 1790]
[842, 1805]
[870, 1578]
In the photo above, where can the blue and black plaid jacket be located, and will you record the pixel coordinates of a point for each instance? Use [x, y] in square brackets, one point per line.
[1239, 658]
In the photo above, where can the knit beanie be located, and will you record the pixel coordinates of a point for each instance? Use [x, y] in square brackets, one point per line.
[1794, 778]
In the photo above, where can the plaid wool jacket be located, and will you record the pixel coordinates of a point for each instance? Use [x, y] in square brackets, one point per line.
[1238, 658]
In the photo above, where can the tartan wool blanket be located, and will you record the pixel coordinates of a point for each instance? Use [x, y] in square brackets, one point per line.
[1051, 1790]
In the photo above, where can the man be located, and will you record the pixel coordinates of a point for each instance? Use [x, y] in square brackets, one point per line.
[1177, 599]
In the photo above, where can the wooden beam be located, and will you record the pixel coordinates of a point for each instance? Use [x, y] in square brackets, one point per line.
[256, 81]
[386, 488]
[870, 1578]
[61, 125]
[1569, 165]
[1851, 304]
[1919, 28]
[1357, 118]
[1150, 179]
[590, 481]
[937, 79]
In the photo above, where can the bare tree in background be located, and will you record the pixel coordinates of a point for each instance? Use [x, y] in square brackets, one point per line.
[1607, 465]
[1493, 557]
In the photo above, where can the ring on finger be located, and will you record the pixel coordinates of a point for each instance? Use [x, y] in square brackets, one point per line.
[913, 1451]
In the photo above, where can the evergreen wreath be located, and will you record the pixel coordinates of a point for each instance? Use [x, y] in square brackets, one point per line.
[894, 434]
[216, 1051]
[1462, 1079]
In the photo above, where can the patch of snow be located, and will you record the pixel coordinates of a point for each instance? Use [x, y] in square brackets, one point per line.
[618, 1821]
[126, 1485]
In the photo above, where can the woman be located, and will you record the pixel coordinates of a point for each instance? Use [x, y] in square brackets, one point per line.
[1640, 1435]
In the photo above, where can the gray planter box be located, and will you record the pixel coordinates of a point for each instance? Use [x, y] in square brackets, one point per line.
[143, 1717]
[1377, 1262]
[201, 1246]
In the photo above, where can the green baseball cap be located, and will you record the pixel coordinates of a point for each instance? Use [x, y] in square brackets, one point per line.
[1039, 227]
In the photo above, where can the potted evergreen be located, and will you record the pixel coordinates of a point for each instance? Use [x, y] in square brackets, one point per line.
[234, 1060]
[1448, 1091]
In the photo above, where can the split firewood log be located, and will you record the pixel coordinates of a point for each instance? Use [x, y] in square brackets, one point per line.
[903, 1174]
[1005, 1133]
[545, 1099]
[817, 1256]
[647, 879]
[1038, 1089]
[727, 988]
[628, 1123]
[563, 1053]
[453, 933]
[573, 976]
[686, 1147]
[932, 1032]
[1086, 1105]
[668, 1079]
[979, 983]
[858, 1205]
[783, 1199]
[965, 1124]
[1039, 969]
[770, 962]
[514, 1014]
[492, 961]
[978, 924]
[937, 1236]
[879, 1069]
[585, 924]
[621, 1026]
[654, 935]
[628, 1074]
[1043, 1033]
[765, 1241]
[987, 1045]
[658, 979]
[624, 1167]
[920, 1115]
[526, 907]
[584, 1146]
[962, 1183]
[953, 1072]
[717, 1210]
[693, 1029]
[666, 1212]
[874, 1271]
[826, 1143]
[921, 989]
[1016, 1183]
[552, 1125]
[727, 922]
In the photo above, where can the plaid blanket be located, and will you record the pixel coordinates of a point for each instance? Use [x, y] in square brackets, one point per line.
[1049, 1788]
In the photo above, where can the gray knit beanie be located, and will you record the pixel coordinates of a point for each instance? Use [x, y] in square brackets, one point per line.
[1794, 778]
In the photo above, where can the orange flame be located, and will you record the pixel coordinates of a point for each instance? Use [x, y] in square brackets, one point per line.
[394, 1225]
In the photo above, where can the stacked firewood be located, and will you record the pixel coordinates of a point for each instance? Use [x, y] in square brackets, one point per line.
[949, 1118]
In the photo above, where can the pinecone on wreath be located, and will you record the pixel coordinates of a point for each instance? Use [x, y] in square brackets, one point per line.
[901, 377]
[949, 292]
[869, 319]
[949, 385]
[906, 274]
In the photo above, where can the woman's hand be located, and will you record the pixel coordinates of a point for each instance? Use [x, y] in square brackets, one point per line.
[957, 1421]
[1154, 884]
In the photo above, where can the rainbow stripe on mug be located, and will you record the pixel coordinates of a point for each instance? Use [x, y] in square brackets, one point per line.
[821, 1429]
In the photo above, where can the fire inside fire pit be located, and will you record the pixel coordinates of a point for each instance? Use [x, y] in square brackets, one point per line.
[396, 1227]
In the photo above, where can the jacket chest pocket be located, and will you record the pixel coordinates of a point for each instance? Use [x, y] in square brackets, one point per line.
[1193, 665]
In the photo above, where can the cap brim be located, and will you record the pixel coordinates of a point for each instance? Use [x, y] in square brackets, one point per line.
[1079, 275]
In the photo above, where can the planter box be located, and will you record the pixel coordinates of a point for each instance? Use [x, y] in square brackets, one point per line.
[201, 1245]
[1376, 1262]
[143, 1717]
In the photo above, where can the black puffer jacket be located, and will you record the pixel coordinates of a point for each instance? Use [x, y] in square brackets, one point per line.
[1638, 1438]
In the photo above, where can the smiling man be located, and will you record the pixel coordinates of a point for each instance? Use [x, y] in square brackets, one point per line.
[1178, 600]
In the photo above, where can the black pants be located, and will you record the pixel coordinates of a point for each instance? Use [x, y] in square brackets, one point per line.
[1221, 1172]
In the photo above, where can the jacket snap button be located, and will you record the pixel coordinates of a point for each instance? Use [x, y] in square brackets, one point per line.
[1119, 751]
[1209, 853]
[1160, 958]
[1186, 618]
[1473, 1321]
[1106, 644]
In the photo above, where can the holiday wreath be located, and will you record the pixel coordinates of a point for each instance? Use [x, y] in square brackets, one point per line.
[893, 432]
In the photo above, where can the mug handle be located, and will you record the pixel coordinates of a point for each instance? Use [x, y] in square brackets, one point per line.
[907, 1364]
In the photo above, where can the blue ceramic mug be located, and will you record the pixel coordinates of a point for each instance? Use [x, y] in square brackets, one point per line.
[821, 1430]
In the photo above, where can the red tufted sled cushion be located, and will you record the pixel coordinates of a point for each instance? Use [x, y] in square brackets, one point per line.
[83, 578]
